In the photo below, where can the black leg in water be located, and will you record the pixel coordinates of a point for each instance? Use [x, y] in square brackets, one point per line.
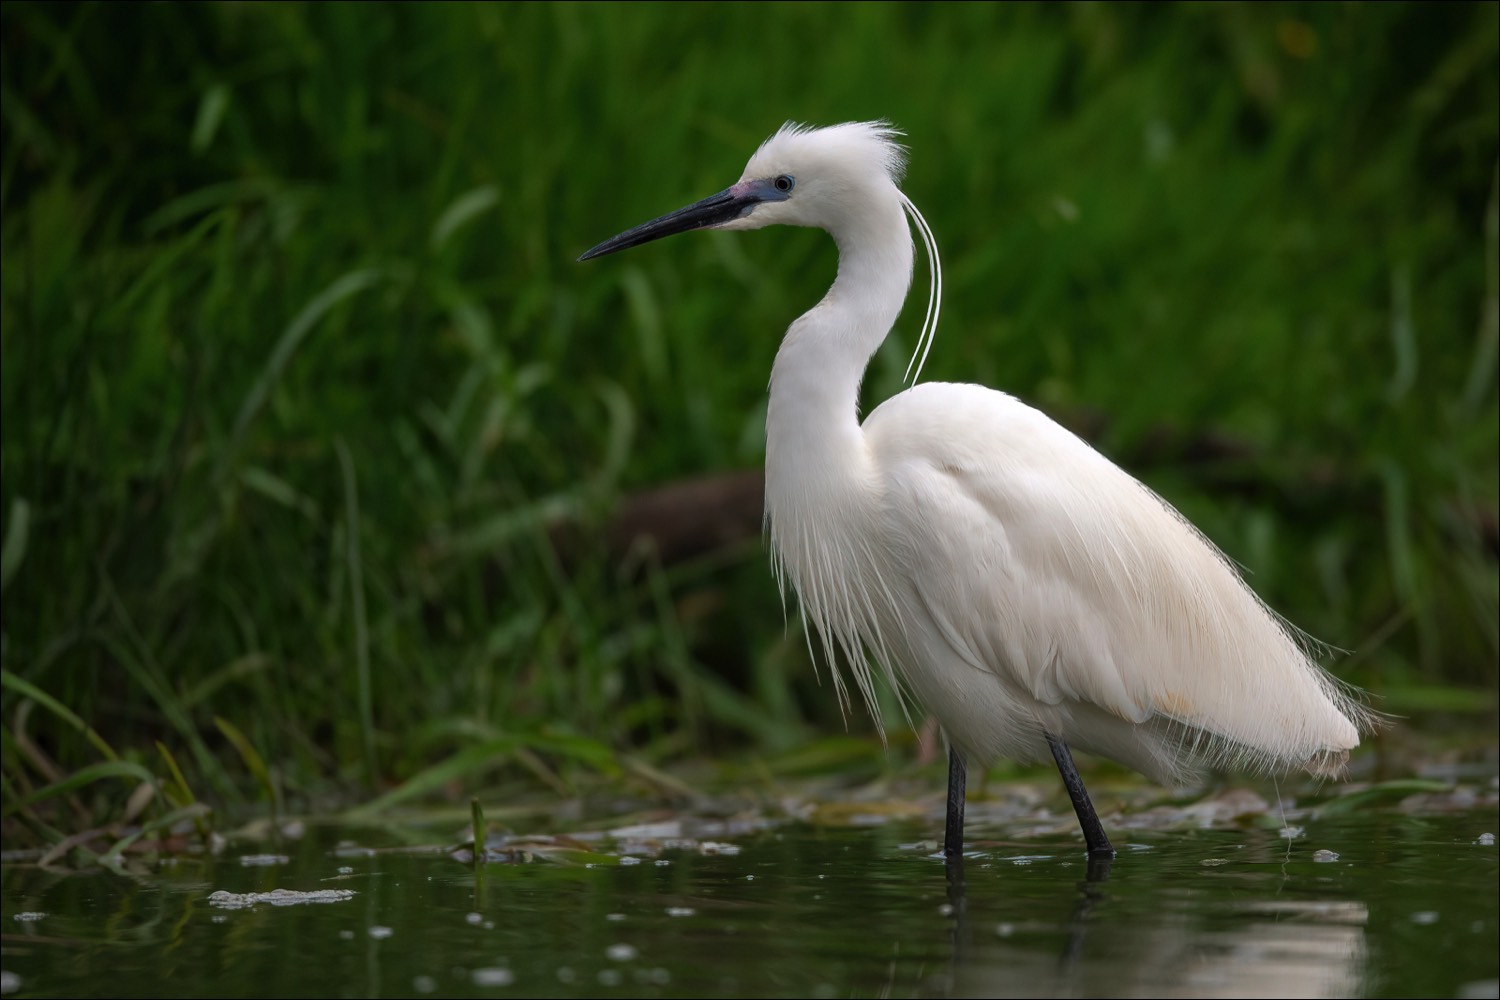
[1093, 830]
[953, 835]
[958, 901]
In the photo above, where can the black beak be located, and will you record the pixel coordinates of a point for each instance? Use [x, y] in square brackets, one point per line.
[715, 210]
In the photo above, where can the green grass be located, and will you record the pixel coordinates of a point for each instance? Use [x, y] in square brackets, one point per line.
[298, 367]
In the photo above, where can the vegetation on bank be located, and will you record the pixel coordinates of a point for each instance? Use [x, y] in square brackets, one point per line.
[301, 384]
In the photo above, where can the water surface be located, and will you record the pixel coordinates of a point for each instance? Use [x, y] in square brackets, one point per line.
[1374, 905]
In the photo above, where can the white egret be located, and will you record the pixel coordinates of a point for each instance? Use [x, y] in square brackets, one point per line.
[1027, 591]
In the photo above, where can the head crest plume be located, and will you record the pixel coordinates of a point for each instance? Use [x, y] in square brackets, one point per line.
[875, 141]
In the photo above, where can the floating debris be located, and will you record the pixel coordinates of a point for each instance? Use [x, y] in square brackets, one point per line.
[492, 976]
[709, 847]
[277, 897]
[1232, 807]
[1325, 856]
[264, 860]
[665, 830]
[525, 850]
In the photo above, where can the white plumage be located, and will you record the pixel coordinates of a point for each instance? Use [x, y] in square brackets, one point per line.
[1025, 589]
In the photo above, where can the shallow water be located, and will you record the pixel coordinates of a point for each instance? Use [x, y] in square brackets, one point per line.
[1374, 905]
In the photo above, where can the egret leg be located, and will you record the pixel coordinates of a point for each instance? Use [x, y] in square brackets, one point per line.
[962, 934]
[953, 835]
[1093, 830]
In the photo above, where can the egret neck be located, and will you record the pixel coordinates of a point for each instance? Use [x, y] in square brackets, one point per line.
[822, 483]
[812, 421]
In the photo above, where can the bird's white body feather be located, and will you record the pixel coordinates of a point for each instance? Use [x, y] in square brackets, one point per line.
[999, 568]
[1026, 590]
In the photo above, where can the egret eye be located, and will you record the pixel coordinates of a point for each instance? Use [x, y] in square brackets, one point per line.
[785, 183]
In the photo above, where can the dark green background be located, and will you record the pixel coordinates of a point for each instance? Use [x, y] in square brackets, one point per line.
[299, 372]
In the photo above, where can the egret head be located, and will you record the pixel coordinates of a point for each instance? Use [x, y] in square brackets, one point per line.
[799, 177]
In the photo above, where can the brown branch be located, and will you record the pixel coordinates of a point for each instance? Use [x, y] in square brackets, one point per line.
[707, 514]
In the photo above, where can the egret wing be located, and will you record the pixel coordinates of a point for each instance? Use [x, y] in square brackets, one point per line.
[1031, 556]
